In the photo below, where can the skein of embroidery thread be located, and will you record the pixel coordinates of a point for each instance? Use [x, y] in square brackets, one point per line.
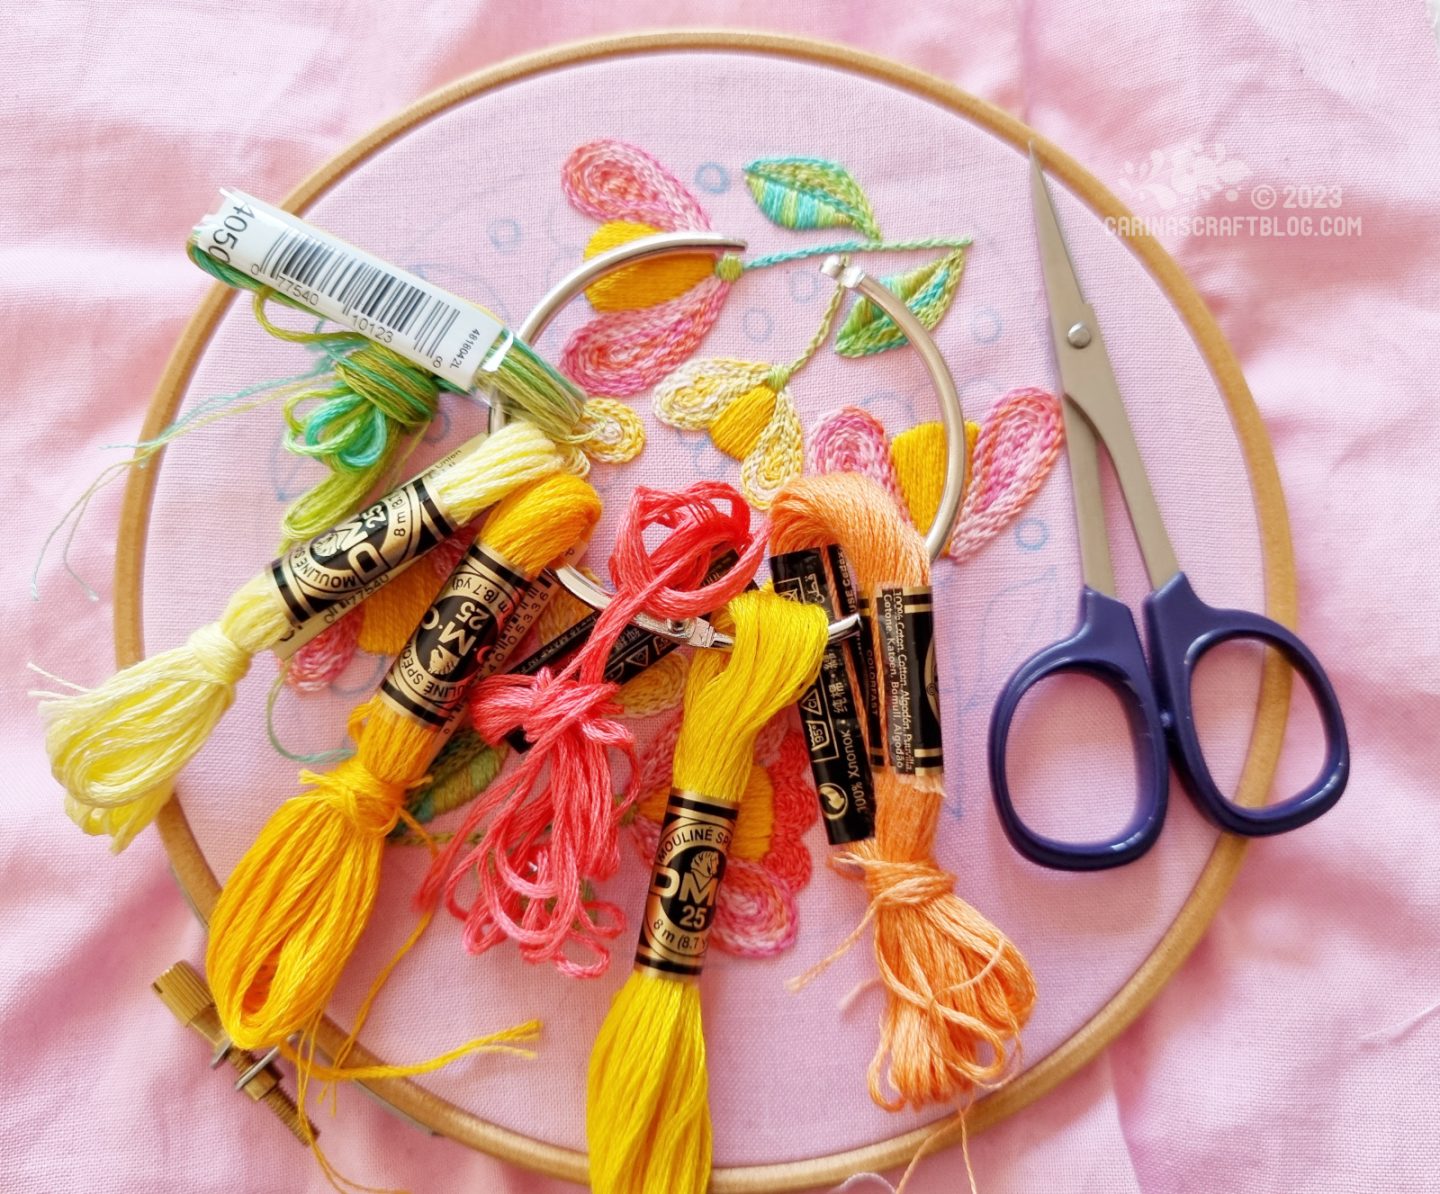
[542, 845]
[958, 990]
[373, 395]
[117, 748]
[293, 909]
[647, 1100]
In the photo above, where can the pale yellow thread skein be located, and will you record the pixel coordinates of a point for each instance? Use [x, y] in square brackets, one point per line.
[117, 748]
[647, 1104]
[293, 909]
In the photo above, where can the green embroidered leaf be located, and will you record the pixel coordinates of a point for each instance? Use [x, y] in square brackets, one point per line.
[810, 193]
[927, 291]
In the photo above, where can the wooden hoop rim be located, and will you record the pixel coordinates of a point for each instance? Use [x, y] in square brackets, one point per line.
[437, 1115]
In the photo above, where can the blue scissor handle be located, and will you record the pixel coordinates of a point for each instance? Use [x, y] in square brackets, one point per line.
[1105, 646]
[1180, 628]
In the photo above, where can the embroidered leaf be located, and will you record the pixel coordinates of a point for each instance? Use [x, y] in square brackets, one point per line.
[927, 290]
[810, 193]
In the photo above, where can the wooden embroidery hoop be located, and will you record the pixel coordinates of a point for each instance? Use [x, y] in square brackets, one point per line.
[440, 1116]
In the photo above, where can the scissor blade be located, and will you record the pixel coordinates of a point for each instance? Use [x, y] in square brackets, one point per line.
[1062, 288]
[1089, 383]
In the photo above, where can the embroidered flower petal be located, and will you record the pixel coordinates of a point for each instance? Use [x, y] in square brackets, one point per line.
[320, 662]
[1018, 445]
[788, 862]
[796, 805]
[778, 458]
[854, 441]
[392, 613]
[769, 741]
[620, 353]
[754, 915]
[699, 392]
[643, 283]
[614, 432]
[613, 180]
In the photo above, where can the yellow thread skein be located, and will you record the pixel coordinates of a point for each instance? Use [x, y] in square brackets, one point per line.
[393, 612]
[647, 1104]
[117, 748]
[291, 912]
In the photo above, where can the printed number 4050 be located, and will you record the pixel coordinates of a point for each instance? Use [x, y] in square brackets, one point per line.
[225, 235]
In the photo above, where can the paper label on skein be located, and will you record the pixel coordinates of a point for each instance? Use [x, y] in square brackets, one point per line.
[828, 713]
[315, 625]
[421, 322]
[533, 600]
[341, 565]
[454, 640]
[905, 619]
[684, 885]
[862, 650]
[635, 647]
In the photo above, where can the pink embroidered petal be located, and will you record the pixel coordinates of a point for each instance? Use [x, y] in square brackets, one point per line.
[621, 353]
[754, 916]
[853, 441]
[1019, 442]
[613, 180]
[319, 663]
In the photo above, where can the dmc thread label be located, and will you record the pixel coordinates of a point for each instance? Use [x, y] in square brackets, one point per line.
[455, 639]
[862, 650]
[828, 713]
[684, 885]
[906, 621]
[412, 317]
[336, 564]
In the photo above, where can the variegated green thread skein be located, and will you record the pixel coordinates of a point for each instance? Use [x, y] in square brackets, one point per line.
[376, 398]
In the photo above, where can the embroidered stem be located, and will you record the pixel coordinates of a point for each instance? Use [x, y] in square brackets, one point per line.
[858, 246]
[781, 374]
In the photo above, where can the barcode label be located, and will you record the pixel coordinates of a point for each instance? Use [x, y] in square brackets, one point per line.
[429, 326]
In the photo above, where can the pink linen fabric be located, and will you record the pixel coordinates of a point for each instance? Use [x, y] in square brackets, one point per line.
[1287, 1055]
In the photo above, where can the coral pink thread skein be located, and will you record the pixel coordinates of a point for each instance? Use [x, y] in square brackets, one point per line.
[541, 846]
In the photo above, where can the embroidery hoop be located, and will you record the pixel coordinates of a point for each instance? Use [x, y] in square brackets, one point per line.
[437, 1115]
[698, 632]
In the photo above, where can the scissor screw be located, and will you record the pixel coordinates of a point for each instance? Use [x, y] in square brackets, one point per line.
[1078, 335]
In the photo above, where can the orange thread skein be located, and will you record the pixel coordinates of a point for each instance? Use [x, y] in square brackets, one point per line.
[958, 990]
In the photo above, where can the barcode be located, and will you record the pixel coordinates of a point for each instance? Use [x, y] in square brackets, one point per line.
[361, 288]
[426, 325]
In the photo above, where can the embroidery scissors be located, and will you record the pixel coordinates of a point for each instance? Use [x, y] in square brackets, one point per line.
[1179, 627]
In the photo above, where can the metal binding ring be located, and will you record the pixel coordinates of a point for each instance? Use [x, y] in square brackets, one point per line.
[698, 632]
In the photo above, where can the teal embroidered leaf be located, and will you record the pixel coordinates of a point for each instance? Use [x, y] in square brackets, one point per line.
[810, 193]
[927, 290]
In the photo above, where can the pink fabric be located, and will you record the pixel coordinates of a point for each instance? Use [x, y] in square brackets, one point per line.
[1285, 1056]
